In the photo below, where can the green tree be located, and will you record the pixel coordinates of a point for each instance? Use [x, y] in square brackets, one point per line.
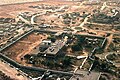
[52, 39]
[27, 56]
[67, 61]
[76, 47]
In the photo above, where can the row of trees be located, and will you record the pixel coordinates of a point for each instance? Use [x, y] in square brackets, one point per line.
[59, 62]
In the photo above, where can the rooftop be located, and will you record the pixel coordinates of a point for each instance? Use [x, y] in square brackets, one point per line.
[55, 47]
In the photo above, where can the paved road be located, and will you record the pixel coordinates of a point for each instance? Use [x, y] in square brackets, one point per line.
[116, 64]
[34, 16]
[103, 6]
[24, 20]
[102, 56]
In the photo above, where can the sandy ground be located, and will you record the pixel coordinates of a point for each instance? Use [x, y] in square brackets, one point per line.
[24, 46]
[13, 9]
[3, 2]
[11, 72]
[73, 7]
[110, 39]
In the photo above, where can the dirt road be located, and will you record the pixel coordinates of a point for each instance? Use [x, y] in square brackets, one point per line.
[110, 39]
[21, 55]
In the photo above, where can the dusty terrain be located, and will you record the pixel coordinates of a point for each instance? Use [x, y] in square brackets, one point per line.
[13, 9]
[3, 2]
[13, 73]
[24, 46]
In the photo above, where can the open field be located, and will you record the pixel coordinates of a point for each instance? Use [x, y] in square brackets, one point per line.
[11, 72]
[13, 9]
[3, 2]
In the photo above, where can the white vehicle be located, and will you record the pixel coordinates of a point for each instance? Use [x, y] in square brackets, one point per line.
[80, 57]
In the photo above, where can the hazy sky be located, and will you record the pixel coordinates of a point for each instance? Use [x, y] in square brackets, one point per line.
[15, 1]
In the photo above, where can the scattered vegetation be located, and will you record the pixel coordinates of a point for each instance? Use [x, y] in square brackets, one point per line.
[4, 77]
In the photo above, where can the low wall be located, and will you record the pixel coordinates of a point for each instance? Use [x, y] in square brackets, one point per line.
[25, 34]
[14, 63]
[17, 65]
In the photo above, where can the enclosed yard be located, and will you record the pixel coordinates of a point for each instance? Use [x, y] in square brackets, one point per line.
[24, 46]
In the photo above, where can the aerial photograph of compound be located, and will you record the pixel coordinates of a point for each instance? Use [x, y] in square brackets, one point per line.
[59, 39]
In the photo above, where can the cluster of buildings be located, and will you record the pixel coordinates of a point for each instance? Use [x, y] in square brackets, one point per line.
[7, 20]
[51, 48]
[9, 32]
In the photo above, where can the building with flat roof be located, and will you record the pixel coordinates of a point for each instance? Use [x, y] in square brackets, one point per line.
[55, 47]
